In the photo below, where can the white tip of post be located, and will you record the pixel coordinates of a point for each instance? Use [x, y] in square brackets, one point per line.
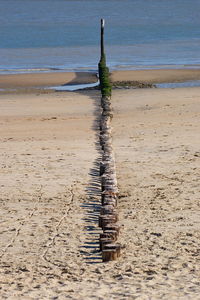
[102, 22]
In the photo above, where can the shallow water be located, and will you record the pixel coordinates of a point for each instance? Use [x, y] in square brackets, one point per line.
[191, 83]
[74, 87]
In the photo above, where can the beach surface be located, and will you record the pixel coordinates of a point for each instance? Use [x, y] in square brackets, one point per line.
[157, 75]
[28, 82]
[41, 80]
[50, 195]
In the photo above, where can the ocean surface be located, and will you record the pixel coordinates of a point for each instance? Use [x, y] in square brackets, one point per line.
[43, 35]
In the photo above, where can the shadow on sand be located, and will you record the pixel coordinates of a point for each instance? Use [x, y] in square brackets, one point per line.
[90, 249]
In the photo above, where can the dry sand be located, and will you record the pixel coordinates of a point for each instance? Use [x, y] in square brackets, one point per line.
[50, 195]
[157, 146]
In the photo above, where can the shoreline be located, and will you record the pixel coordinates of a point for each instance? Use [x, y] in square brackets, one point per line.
[93, 69]
[28, 82]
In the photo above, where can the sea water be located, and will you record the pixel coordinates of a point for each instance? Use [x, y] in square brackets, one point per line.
[43, 35]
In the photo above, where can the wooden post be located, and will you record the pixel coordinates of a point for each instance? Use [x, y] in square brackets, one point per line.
[110, 251]
[107, 209]
[105, 241]
[113, 234]
[109, 255]
[112, 226]
[107, 219]
[102, 37]
[107, 199]
[113, 246]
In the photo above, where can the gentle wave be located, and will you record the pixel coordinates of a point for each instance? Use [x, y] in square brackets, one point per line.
[45, 70]
[28, 70]
[93, 70]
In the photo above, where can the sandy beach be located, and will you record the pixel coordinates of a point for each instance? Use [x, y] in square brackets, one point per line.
[31, 81]
[157, 75]
[50, 189]
[42, 80]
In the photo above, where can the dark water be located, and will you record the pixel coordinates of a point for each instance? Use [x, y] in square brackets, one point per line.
[62, 34]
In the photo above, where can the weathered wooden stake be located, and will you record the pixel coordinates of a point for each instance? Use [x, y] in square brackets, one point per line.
[102, 37]
[104, 241]
[104, 220]
[113, 226]
[110, 251]
[109, 234]
[109, 255]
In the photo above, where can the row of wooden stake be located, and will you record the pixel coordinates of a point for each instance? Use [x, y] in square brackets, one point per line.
[108, 216]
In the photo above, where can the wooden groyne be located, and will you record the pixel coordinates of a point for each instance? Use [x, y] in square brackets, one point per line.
[108, 217]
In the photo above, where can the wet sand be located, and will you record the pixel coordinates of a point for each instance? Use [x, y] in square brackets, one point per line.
[41, 80]
[157, 75]
[50, 195]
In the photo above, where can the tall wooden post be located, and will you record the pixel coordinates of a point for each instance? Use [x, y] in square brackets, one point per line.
[102, 37]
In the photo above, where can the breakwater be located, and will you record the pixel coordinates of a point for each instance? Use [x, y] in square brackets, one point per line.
[108, 217]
